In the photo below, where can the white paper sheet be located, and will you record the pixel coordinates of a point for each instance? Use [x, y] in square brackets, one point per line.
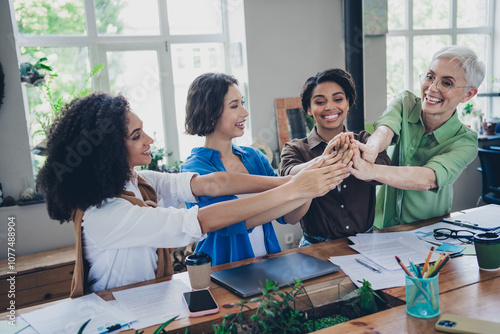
[357, 272]
[155, 303]
[67, 317]
[383, 253]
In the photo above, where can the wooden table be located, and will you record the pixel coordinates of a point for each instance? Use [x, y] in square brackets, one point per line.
[464, 290]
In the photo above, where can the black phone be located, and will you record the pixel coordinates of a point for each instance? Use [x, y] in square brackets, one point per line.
[200, 302]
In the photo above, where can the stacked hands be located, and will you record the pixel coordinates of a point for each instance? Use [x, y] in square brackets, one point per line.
[327, 171]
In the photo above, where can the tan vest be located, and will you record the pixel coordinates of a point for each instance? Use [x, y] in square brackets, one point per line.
[79, 284]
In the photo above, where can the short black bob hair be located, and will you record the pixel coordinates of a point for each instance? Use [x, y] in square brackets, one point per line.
[205, 102]
[337, 75]
[86, 155]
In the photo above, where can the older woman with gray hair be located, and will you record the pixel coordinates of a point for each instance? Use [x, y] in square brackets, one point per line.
[431, 146]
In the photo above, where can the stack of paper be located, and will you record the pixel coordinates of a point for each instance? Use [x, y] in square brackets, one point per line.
[69, 316]
[155, 303]
[381, 248]
[357, 272]
[378, 250]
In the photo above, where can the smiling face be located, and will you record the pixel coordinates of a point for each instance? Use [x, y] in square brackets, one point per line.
[329, 107]
[138, 143]
[439, 104]
[231, 123]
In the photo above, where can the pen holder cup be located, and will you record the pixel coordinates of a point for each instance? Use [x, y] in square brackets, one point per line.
[422, 297]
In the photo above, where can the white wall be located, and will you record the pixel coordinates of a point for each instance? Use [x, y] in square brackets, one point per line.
[287, 42]
[15, 161]
[35, 231]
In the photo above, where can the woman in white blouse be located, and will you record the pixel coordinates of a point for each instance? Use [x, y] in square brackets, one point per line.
[89, 178]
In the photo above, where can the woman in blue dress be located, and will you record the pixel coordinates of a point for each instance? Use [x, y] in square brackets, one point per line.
[215, 110]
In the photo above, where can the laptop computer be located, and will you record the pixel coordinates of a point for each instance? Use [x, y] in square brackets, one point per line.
[245, 281]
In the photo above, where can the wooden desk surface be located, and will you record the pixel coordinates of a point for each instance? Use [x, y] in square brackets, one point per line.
[464, 290]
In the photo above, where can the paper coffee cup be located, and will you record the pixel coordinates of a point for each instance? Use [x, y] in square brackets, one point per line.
[198, 266]
[487, 247]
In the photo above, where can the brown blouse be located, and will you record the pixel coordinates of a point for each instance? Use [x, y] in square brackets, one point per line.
[344, 211]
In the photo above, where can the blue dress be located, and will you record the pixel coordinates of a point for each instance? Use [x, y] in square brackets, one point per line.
[231, 243]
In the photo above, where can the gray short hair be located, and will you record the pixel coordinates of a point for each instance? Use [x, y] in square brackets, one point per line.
[468, 60]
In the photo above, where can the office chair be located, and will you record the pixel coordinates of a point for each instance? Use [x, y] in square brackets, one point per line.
[490, 169]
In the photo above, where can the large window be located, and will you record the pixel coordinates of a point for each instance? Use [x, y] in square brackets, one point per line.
[419, 28]
[151, 50]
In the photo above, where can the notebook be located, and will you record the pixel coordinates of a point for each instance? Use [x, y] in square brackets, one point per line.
[245, 280]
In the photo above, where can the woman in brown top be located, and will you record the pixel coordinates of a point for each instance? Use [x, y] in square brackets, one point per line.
[349, 208]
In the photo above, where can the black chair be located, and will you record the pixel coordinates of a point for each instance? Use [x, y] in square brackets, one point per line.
[490, 169]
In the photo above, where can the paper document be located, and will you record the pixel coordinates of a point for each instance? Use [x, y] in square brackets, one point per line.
[155, 303]
[7, 328]
[357, 272]
[69, 316]
[382, 248]
[486, 217]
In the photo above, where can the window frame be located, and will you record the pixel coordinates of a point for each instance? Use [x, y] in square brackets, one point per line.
[98, 45]
[409, 33]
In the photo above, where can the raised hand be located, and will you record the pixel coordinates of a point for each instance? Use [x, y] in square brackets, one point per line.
[368, 153]
[362, 169]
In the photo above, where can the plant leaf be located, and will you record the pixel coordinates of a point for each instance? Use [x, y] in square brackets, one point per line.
[80, 331]
[160, 329]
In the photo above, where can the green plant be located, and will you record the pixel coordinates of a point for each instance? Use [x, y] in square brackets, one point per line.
[34, 74]
[367, 298]
[175, 167]
[274, 314]
[46, 117]
[314, 325]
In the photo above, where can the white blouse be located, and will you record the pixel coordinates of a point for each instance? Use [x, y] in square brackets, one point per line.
[120, 239]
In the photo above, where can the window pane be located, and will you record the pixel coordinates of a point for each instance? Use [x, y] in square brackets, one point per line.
[424, 47]
[72, 68]
[397, 14]
[431, 14]
[189, 61]
[472, 13]
[193, 17]
[135, 74]
[396, 54]
[127, 18]
[50, 17]
[478, 43]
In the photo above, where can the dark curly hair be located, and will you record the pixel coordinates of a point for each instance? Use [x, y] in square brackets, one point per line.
[86, 155]
[337, 75]
[205, 102]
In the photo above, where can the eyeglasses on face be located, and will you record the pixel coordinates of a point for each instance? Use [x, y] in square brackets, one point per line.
[462, 235]
[443, 85]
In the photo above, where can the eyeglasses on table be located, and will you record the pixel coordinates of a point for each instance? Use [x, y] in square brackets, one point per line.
[446, 233]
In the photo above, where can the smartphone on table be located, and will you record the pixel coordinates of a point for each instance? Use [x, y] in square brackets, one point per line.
[200, 303]
[452, 323]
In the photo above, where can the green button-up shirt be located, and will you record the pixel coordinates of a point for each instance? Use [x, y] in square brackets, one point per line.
[447, 151]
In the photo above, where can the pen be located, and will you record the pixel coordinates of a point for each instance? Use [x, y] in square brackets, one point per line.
[403, 266]
[367, 265]
[414, 268]
[426, 264]
[111, 327]
[465, 223]
[438, 268]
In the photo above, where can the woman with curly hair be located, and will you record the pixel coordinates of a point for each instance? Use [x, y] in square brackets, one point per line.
[125, 219]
